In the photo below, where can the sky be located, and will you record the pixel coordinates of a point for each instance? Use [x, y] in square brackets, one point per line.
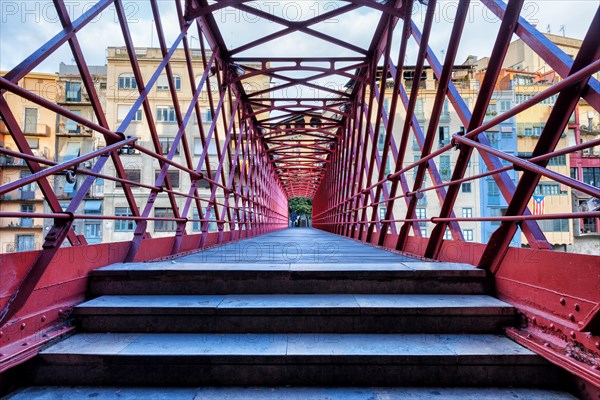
[26, 25]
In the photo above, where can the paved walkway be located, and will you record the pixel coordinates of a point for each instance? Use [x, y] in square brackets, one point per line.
[297, 246]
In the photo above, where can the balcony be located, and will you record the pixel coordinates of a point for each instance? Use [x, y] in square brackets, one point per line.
[37, 130]
[8, 161]
[63, 130]
[24, 224]
[3, 127]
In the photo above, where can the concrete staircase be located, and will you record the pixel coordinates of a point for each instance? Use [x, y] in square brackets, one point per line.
[399, 323]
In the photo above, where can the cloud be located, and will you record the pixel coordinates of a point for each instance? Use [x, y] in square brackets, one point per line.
[26, 25]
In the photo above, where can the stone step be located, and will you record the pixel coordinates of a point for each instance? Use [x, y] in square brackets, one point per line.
[171, 277]
[293, 359]
[337, 313]
[285, 393]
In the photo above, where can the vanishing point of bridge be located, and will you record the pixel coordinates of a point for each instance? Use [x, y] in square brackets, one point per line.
[188, 151]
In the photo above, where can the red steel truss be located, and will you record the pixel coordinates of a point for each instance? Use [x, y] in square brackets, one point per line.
[271, 148]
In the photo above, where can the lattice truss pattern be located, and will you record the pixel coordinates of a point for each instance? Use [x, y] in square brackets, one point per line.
[332, 147]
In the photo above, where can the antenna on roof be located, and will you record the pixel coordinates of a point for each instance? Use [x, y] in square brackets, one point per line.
[548, 29]
[562, 29]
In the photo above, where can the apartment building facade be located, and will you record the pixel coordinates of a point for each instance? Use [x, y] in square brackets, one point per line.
[121, 92]
[38, 125]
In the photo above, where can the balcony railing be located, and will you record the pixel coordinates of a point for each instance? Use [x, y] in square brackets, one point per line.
[37, 130]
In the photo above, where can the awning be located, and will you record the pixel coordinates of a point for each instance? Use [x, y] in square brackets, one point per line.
[92, 205]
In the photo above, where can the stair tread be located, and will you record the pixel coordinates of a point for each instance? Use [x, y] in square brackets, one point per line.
[409, 269]
[287, 393]
[484, 347]
[300, 303]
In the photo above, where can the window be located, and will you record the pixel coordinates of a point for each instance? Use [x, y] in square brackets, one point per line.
[164, 226]
[127, 81]
[558, 161]
[497, 212]
[208, 117]
[507, 132]
[165, 114]
[492, 109]
[574, 173]
[447, 234]
[466, 187]
[203, 183]
[163, 83]
[33, 143]
[72, 126]
[444, 135]
[173, 177]
[548, 189]
[420, 109]
[386, 105]
[124, 225]
[591, 176]
[493, 193]
[421, 213]
[382, 211]
[198, 146]
[445, 108]
[25, 242]
[92, 230]
[493, 189]
[554, 225]
[31, 118]
[504, 105]
[166, 143]
[468, 234]
[424, 232]
[73, 91]
[196, 225]
[72, 150]
[123, 110]
[467, 212]
[381, 138]
[26, 222]
[445, 171]
[131, 175]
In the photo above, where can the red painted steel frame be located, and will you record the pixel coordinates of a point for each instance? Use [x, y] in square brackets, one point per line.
[271, 148]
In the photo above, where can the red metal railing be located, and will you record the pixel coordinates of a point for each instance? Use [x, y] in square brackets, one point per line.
[333, 148]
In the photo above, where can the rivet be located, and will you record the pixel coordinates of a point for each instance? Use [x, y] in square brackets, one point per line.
[572, 317]
[572, 334]
[596, 367]
[23, 325]
[24, 344]
[534, 320]
[43, 318]
[546, 344]
[552, 326]
[529, 336]
[1, 333]
[563, 301]
[45, 335]
[576, 307]
[597, 344]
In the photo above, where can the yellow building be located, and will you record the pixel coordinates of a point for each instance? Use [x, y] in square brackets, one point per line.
[122, 91]
[38, 125]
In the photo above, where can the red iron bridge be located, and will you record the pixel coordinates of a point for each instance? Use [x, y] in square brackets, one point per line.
[206, 289]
